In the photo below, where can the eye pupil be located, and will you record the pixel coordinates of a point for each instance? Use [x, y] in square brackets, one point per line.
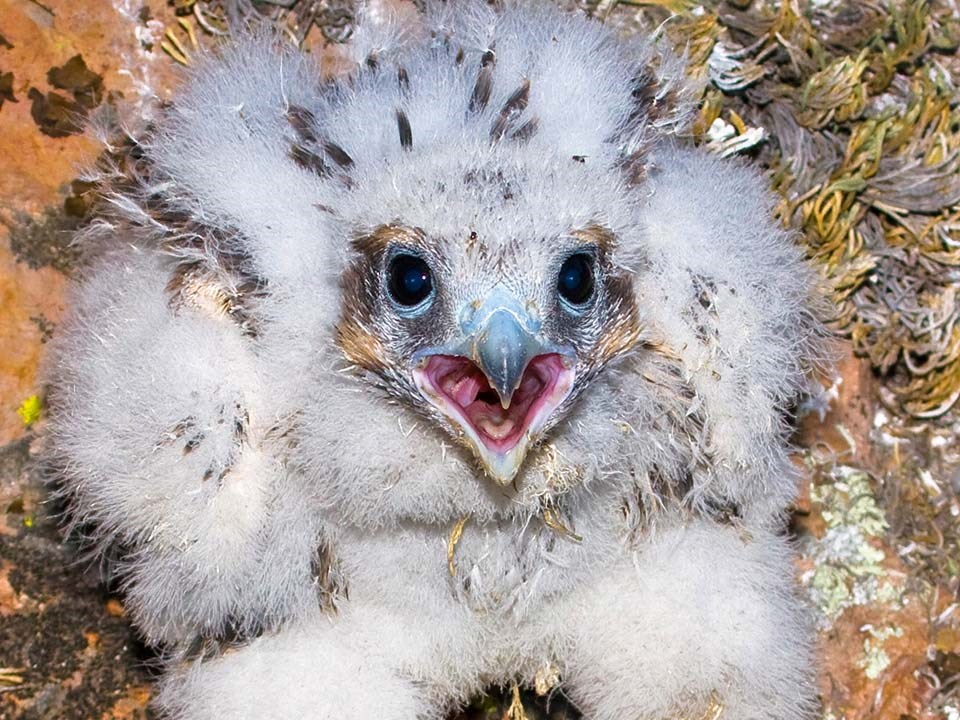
[410, 282]
[575, 282]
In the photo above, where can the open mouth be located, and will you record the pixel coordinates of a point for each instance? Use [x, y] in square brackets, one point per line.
[499, 429]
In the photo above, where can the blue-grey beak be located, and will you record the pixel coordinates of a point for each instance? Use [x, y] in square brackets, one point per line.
[501, 338]
[502, 350]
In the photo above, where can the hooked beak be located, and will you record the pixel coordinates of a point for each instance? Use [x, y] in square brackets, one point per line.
[499, 384]
[502, 350]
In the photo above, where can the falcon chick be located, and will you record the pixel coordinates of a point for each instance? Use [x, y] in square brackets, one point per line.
[458, 370]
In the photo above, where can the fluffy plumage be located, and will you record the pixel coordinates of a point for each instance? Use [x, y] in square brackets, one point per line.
[235, 405]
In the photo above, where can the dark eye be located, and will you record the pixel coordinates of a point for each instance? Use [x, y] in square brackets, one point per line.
[409, 280]
[575, 282]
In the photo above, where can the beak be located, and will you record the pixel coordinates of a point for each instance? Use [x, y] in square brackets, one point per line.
[503, 346]
[499, 383]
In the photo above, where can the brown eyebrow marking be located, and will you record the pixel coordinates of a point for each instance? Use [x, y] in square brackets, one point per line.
[597, 235]
[383, 236]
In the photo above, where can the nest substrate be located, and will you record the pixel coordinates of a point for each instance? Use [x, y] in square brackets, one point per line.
[852, 108]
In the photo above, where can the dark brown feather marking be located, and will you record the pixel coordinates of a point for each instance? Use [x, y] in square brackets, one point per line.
[211, 644]
[210, 272]
[526, 131]
[403, 127]
[228, 289]
[484, 84]
[649, 104]
[241, 425]
[302, 121]
[643, 93]
[511, 110]
[331, 586]
[309, 160]
[193, 443]
[403, 80]
[338, 155]
[181, 276]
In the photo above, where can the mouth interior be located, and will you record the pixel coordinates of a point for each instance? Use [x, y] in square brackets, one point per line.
[464, 387]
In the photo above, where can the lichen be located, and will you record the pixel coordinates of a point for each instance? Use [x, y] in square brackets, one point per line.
[875, 659]
[848, 501]
[848, 562]
[45, 240]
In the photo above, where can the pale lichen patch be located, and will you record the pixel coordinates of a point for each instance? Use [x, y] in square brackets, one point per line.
[875, 659]
[848, 562]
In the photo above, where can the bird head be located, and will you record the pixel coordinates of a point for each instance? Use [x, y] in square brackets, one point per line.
[448, 247]
[493, 338]
[485, 185]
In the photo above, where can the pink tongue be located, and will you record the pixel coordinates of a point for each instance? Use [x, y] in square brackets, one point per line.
[464, 385]
[464, 390]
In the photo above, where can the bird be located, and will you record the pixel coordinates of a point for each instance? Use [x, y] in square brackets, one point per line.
[462, 368]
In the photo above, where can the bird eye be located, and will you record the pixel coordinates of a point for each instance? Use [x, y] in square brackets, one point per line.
[575, 282]
[409, 280]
